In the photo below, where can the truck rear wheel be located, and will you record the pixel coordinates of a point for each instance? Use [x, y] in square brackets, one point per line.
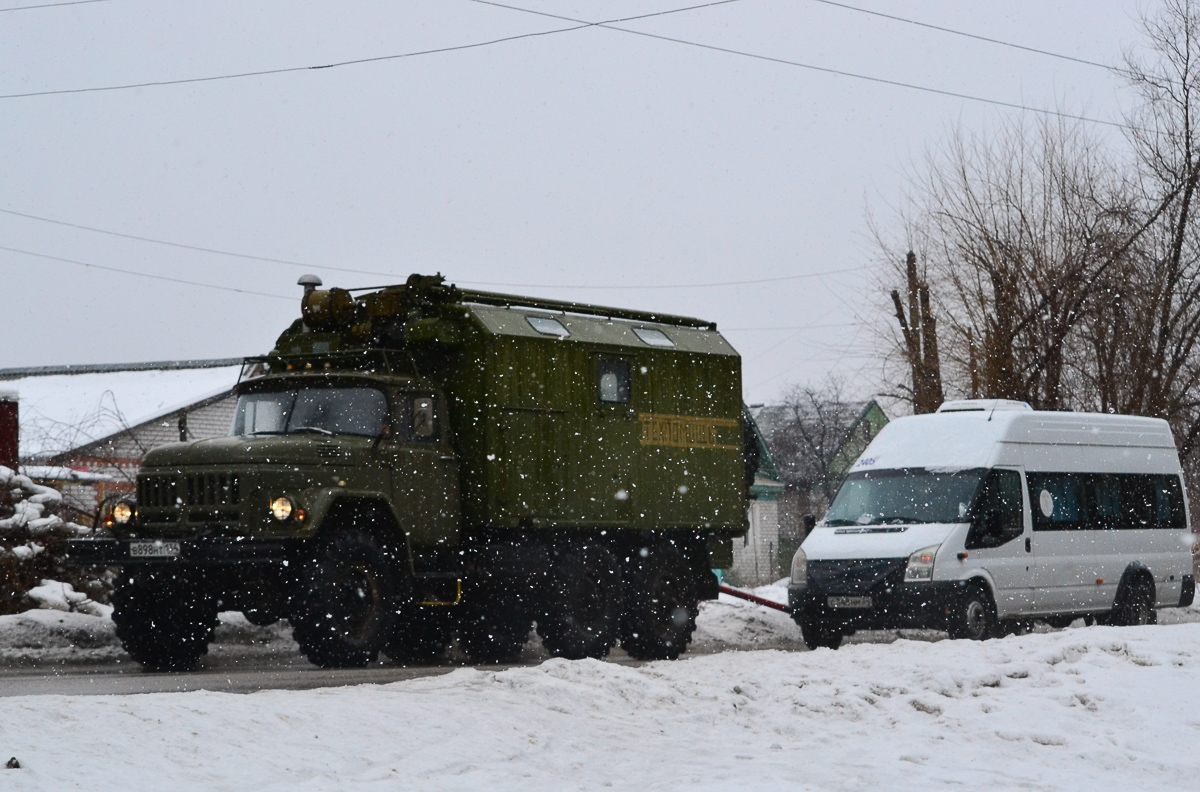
[344, 601]
[164, 618]
[660, 605]
[582, 607]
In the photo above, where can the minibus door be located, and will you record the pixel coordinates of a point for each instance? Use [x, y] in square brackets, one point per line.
[998, 541]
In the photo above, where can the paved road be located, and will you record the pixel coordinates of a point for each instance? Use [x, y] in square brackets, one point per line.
[229, 669]
[274, 663]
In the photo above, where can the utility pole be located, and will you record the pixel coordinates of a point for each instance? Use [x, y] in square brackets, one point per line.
[919, 329]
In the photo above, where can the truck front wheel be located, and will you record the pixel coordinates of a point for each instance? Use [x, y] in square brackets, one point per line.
[582, 605]
[660, 604]
[164, 618]
[344, 601]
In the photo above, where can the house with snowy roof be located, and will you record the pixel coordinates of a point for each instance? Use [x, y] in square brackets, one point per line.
[85, 429]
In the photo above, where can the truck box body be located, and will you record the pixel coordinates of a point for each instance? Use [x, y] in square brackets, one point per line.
[539, 447]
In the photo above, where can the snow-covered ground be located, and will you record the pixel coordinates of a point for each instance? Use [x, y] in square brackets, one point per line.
[1077, 709]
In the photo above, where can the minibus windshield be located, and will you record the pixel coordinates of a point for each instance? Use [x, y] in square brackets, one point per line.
[905, 495]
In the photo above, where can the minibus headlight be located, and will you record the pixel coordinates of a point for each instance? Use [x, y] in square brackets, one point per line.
[920, 565]
[799, 568]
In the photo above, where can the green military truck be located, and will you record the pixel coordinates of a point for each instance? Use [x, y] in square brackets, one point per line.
[419, 463]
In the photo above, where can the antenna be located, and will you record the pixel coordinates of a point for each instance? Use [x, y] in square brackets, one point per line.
[309, 282]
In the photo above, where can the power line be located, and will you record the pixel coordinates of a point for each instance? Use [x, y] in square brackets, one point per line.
[822, 69]
[52, 5]
[307, 265]
[975, 36]
[198, 248]
[354, 62]
[144, 274]
[781, 329]
[668, 286]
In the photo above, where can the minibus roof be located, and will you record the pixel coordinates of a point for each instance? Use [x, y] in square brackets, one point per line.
[956, 440]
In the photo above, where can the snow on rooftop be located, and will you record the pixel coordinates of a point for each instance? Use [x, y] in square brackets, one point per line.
[65, 411]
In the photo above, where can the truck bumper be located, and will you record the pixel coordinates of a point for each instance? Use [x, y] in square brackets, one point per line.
[911, 606]
[116, 552]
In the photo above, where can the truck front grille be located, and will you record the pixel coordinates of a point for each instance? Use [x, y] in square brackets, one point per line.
[199, 489]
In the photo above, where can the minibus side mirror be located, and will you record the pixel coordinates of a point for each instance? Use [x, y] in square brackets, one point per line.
[810, 522]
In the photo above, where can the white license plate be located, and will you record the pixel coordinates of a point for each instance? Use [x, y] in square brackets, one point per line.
[849, 602]
[153, 549]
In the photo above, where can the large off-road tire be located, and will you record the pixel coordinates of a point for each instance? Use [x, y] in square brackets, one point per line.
[581, 612]
[164, 618]
[344, 601]
[972, 615]
[1134, 606]
[660, 604]
[820, 632]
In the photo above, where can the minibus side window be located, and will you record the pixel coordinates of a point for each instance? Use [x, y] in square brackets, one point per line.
[1104, 494]
[1168, 502]
[997, 518]
[1056, 500]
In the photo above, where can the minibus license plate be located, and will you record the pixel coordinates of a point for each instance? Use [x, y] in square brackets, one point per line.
[849, 602]
[153, 549]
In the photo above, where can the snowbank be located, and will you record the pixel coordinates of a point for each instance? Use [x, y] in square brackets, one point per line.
[1079, 709]
[28, 509]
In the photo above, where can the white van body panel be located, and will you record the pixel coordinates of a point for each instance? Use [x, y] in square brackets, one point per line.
[1044, 572]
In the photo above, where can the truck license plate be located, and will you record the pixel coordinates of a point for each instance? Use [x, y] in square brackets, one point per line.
[849, 602]
[153, 549]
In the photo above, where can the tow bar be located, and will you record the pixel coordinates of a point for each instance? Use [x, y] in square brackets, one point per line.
[766, 603]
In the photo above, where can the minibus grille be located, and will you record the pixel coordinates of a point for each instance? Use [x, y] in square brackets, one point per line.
[857, 576]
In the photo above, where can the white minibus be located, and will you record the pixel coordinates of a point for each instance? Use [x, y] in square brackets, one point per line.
[988, 515]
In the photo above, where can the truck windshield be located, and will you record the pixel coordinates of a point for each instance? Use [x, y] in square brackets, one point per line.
[332, 411]
[906, 495]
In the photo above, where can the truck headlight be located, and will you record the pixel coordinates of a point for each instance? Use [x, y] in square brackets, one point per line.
[122, 512]
[281, 509]
[920, 565]
[799, 568]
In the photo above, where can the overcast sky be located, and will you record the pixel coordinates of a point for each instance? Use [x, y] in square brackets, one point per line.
[591, 164]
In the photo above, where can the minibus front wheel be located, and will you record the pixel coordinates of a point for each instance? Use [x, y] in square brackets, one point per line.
[973, 615]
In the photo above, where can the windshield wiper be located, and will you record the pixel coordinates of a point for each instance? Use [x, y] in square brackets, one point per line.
[897, 518]
[839, 521]
[265, 432]
[316, 429]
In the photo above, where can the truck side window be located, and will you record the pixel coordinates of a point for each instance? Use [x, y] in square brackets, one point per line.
[614, 381]
[424, 418]
[997, 516]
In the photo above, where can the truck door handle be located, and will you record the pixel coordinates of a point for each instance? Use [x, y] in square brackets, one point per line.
[1028, 545]
[446, 458]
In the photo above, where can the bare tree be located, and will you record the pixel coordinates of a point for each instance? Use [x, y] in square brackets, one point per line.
[1161, 323]
[1015, 231]
[815, 423]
